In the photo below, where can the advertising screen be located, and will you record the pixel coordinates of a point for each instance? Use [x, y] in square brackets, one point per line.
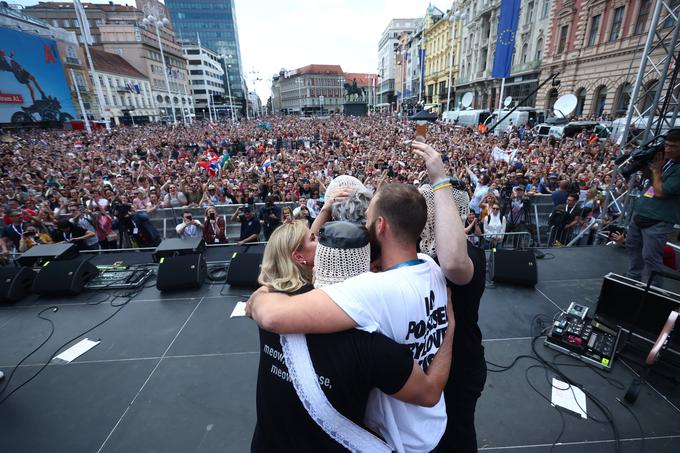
[33, 87]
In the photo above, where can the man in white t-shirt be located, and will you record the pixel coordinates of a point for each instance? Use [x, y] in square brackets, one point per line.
[406, 302]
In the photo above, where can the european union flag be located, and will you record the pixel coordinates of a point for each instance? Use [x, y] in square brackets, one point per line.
[505, 43]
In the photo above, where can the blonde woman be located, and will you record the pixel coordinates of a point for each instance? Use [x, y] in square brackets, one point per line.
[346, 366]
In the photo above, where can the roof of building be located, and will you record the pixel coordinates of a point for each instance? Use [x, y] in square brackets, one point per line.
[363, 79]
[100, 6]
[114, 64]
[323, 69]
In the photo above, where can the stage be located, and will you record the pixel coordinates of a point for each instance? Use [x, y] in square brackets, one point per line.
[174, 373]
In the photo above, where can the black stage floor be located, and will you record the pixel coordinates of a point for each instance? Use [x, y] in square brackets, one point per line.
[174, 373]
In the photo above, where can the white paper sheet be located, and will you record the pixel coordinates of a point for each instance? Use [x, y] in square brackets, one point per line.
[239, 310]
[76, 350]
[569, 397]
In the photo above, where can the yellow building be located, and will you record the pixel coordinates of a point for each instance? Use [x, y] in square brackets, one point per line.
[438, 59]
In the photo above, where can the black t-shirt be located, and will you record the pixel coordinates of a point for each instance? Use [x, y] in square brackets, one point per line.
[75, 232]
[248, 227]
[348, 364]
[467, 339]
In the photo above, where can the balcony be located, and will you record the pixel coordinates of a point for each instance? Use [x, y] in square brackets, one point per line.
[525, 67]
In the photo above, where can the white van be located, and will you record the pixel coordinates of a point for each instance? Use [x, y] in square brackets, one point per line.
[466, 118]
[520, 117]
[636, 127]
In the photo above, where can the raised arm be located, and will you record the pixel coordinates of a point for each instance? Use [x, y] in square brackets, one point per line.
[311, 312]
[448, 226]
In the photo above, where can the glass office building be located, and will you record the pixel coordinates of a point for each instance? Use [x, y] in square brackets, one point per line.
[214, 21]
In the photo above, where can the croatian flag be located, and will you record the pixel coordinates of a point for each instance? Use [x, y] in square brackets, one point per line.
[78, 145]
[266, 164]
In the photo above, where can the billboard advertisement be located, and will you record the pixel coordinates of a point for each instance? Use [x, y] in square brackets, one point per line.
[33, 86]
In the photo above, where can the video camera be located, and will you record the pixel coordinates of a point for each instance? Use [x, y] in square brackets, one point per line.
[641, 156]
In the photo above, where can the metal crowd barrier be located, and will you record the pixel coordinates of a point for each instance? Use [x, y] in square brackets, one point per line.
[516, 240]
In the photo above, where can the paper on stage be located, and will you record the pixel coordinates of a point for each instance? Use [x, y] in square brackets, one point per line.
[569, 397]
[239, 310]
[76, 350]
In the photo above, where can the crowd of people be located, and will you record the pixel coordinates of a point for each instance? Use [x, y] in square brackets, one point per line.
[112, 183]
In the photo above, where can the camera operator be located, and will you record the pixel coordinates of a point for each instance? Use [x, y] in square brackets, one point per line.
[270, 217]
[655, 212]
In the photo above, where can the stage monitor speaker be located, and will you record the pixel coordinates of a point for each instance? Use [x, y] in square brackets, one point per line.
[181, 272]
[245, 268]
[62, 278]
[175, 247]
[15, 283]
[48, 252]
[619, 303]
[515, 266]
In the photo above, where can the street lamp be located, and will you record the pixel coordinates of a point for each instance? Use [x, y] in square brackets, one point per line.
[231, 100]
[453, 18]
[158, 24]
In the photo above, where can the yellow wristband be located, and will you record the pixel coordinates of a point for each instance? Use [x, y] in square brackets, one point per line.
[442, 186]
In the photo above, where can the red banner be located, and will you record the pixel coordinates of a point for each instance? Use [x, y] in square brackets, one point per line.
[11, 98]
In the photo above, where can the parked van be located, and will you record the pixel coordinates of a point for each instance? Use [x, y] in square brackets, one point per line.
[636, 127]
[521, 117]
[466, 118]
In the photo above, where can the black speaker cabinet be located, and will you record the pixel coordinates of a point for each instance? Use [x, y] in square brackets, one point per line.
[623, 302]
[15, 283]
[515, 266]
[181, 272]
[63, 278]
[245, 268]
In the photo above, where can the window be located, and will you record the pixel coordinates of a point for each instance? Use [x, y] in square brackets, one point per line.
[623, 99]
[525, 51]
[594, 29]
[71, 52]
[580, 101]
[55, 23]
[616, 24]
[564, 31]
[546, 9]
[539, 49]
[600, 100]
[643, 14]
[530, 13]
[67, 23]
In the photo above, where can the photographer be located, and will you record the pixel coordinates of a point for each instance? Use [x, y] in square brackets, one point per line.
[270, 217]
[190, 227]
[655, 212]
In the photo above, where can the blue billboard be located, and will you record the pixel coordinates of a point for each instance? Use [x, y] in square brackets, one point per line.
[33, 87]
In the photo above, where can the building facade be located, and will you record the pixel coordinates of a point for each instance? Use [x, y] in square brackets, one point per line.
[119, 29]
[387, 60]
[478, 42]
[127, 92]
[532, 30]
[300, 91]
[597, 48]
[208, 88]
[215, 25]
[442, 37]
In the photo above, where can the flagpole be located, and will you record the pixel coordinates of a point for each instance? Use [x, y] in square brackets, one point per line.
[80, 102]
[82, 17]
[500, 98]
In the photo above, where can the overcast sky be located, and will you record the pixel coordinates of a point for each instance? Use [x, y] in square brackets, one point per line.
[277, 34]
